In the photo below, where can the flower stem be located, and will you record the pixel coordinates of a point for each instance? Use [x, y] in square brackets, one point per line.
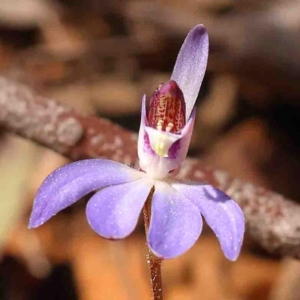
[154, 262]
[155, 276]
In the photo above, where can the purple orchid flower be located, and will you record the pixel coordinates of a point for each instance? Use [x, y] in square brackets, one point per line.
[164, 137]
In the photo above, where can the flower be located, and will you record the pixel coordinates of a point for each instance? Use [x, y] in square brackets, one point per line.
[121, 192]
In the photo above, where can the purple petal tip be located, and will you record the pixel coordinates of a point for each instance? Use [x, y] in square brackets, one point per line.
[191, 64]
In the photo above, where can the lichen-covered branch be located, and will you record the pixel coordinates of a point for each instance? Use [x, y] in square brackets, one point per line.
[272, 221]
[61, 128]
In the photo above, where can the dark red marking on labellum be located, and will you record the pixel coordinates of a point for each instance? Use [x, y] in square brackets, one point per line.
[167, 108]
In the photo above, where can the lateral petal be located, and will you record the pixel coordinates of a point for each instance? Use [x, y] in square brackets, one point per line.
[113, 212]
[69, 183]
[221, 213]
[175, 223]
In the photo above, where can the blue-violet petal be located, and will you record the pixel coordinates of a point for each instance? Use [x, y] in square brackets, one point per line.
[221, 213]
[113, 212]
[175, 222]
[71, 182]
[191, 64]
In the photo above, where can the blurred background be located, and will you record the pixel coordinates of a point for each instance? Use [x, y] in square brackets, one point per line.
[100, 57]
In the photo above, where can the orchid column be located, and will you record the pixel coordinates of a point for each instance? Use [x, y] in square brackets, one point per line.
[172, 208]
